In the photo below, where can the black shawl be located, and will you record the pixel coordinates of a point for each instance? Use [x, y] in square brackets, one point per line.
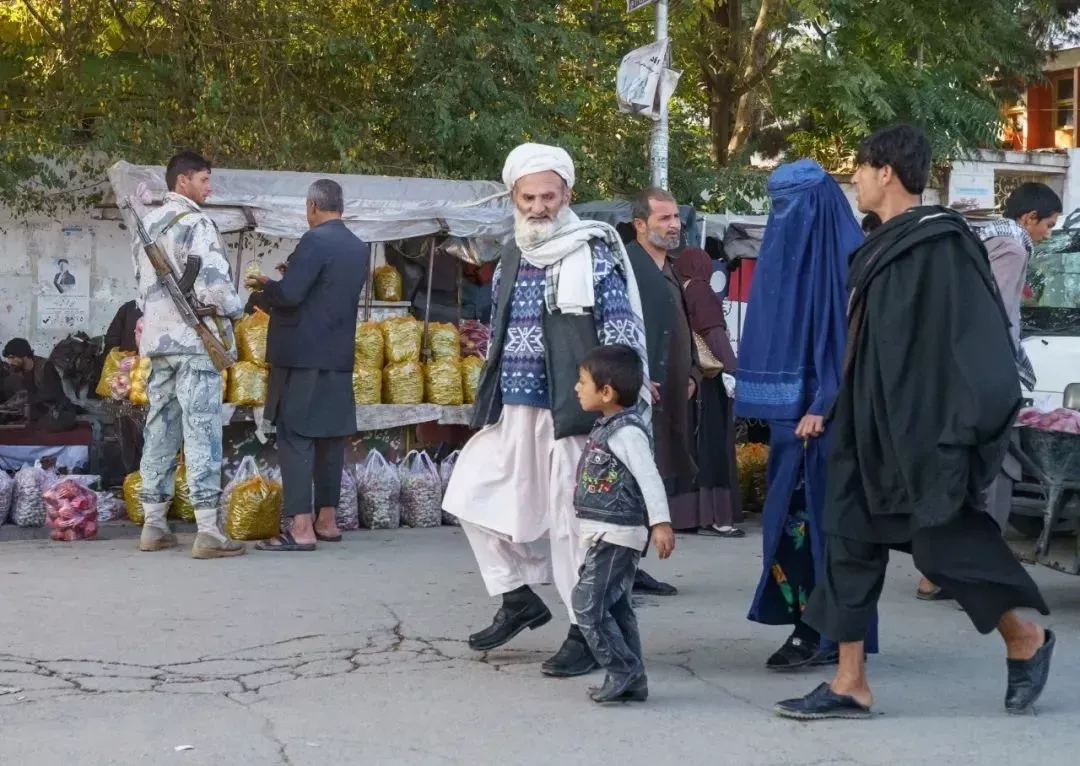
[930, 392]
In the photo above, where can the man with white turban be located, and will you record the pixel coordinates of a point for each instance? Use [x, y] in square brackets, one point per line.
[566, 287]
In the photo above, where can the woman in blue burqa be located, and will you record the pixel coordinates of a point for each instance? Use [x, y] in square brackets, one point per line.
[790, 360]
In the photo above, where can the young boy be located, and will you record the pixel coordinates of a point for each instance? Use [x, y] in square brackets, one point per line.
[619, 496]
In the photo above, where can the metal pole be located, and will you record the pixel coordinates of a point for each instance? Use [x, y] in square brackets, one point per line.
[658, 148]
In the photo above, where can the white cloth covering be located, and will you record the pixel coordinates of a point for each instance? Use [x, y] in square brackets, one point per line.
[537, 158]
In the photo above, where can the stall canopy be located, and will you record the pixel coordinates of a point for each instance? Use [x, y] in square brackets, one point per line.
[377, 208]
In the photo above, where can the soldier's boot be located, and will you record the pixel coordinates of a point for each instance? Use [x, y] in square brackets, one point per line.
[156, 535]
[211, 542]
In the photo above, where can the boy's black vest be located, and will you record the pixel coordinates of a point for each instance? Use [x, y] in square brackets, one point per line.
[606, 490]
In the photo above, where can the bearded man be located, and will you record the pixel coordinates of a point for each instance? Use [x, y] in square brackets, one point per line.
[565, 287]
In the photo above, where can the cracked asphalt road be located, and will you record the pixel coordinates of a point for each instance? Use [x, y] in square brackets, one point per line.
[356, 655]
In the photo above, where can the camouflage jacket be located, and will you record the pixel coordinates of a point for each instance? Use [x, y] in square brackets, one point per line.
[164, 331]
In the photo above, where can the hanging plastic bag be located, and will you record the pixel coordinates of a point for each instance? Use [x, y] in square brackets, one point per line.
[28, 507]
[347, 514]
[446, 470]
[401, 338]
[369, 346]
[140, 379]
[367, 385]
[251, 504]
[7, 493]
[442, 382]
[403, 384]
[70, 511]
[471, 367]
[388, 284]
[132, 489]
[251, 337]
[443, 341]
[379, 490]
[421, 491]
[247, 384]
[109, 370]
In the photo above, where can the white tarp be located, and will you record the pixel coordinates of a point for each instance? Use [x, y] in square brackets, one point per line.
[377, 208]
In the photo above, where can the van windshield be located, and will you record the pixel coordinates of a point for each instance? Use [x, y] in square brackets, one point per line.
[1051, 302]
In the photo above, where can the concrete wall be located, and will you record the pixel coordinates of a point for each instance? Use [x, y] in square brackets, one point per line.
[973, 181]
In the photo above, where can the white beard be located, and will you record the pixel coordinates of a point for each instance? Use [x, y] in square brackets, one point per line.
[528, 233]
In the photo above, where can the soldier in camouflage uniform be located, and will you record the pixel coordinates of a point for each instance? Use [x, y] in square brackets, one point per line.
[184, 387]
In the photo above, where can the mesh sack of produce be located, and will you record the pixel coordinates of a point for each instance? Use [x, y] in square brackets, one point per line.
[752, 461]
[421, 491]
[132, 488]
[7, 493]
[347, 513]
[251, 504]
[446, 470]
[401, 339]
[247, 384]
[109, 370]
[181, 506]
[443, 341]
[140, 379]
[388, 284]
[379, 488]
[27, 504]
[108, 507]
[367, 385]
[369, 343]
[470, 377]
[70, 511]
[251, 337]
[403, 384]
[224, 385]
[442, 382]
[475, 337]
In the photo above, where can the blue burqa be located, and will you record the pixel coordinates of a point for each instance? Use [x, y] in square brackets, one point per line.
[791, 350]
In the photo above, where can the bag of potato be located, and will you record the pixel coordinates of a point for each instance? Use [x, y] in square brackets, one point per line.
[369, 346]
[367, 385]
[110, 368]
[443, 341]
[403, 384]
[247, 384]
[388, 284]
[140, 379]
[251, 504]
[402, 337]
[181, 507]
[251, 337]
[132, 488]
[442, 382]
[470, 377]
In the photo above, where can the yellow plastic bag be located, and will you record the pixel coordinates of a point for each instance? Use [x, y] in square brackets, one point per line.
[181, 507]
[224, 385]
[132, 488]
[251, 337]
[369, 346]
[403, 384]
[442, 382]
[247, 384]
[388, 284]
[752, 461]
[367, 385]
[443, 341]
[111, 367]
[140, 378]
[252, 504]
[470, 377]
[402, 337]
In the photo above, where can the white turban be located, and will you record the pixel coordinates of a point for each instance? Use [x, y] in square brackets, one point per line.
[537, 158]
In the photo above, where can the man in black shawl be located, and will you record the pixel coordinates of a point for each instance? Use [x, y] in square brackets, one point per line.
[920, 428]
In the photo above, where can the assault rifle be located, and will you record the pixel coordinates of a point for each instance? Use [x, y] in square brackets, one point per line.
[179, 289]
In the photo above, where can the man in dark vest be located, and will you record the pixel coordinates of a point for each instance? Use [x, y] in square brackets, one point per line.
[310, 349]
[49, 405]
[564, 288]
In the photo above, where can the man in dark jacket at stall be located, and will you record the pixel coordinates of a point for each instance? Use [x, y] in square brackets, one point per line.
[49, 405]
[920, 427]
[309, 347]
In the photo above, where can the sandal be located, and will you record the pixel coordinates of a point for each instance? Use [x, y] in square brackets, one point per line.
[326, 539]
[714, 530]
[937, 594]
[284, 543]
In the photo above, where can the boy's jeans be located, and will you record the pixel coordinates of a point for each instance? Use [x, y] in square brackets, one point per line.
[601, 601]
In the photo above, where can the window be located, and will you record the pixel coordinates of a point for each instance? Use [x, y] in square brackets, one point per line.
[1063, 103]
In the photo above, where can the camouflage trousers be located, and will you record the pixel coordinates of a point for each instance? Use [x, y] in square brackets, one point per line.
[185, 411]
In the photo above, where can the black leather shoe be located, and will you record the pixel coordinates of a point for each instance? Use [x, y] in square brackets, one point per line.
[617, 690]
[646, 584]
[637, 691]
[512, 618]
[820, 704]
[1027, 678]
[573, 658]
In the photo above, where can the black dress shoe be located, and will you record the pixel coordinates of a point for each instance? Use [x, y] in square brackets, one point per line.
[646, 583]
[574, 658]
[1027, 678]
[637, 691]
[619, 690]
[512, 618]
[794, 654]
[820, 704]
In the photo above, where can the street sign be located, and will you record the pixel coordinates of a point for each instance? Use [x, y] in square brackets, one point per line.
[633, 5]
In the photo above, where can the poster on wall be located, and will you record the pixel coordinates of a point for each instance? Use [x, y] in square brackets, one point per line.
[63, 281]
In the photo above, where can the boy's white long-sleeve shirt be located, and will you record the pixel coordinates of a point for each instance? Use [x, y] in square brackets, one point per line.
[631, 446]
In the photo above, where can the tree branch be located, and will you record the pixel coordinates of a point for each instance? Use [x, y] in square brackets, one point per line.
[754, 71]
[41, 22]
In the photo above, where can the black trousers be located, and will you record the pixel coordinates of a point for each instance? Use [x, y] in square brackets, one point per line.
[968, 557]
[310, 470]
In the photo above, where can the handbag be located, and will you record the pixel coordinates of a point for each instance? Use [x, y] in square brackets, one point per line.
[710, 366]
